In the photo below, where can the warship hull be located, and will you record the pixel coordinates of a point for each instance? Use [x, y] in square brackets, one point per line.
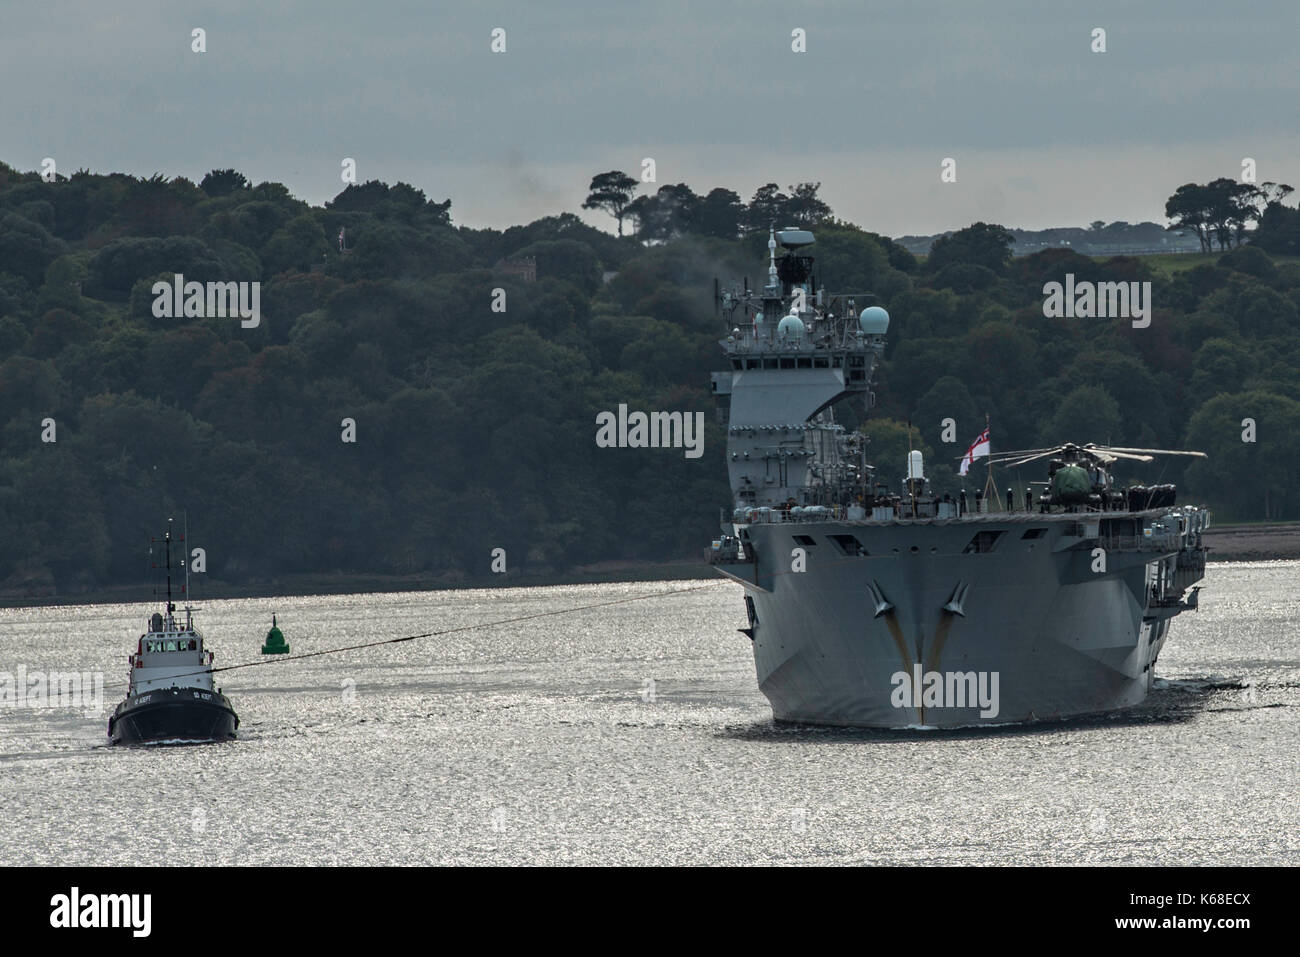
[173, 715]
[975, 621]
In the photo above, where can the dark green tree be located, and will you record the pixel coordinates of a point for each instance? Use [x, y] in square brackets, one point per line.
[223, 182]
[980, 244]
[611, 192]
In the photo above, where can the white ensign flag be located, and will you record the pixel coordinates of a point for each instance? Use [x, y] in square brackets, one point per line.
[979, 447]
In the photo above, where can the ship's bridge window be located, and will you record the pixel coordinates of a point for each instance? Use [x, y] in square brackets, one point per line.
[735, 363]
[769, 364]
[787, 363]
[805, 363]
[837, 361]
[821, 362]
[1034, 533]
[752, 364]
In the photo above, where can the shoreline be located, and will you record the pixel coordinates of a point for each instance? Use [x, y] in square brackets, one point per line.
[298, 586]
[1266, 541]
[1277, 541]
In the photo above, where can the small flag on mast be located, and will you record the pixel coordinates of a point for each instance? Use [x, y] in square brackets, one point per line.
[979, 447]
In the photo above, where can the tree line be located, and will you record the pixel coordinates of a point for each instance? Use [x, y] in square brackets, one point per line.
[676, 210]
[475, 426]
[1222, 210]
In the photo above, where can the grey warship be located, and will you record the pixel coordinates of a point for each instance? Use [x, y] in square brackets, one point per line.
[892, 607]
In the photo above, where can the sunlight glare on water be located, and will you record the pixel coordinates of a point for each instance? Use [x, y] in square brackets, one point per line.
[635, 733]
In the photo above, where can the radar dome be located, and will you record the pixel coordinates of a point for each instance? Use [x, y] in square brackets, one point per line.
[791, 327]
[874, 321]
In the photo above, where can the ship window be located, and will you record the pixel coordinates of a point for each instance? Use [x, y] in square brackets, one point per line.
[735, 363]
[982, 542]
[171, 646]
[787, 363]
[821, 362]
[805, 363]
[804, 540]
[752, 364]
[1034, 533]
[848, 544]
[769, 364]
[837, 361]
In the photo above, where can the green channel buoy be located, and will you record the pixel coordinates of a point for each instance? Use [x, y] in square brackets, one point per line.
[275, 643]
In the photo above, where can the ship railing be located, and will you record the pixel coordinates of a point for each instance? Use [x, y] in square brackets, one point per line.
[1140, 543]
[771, 515]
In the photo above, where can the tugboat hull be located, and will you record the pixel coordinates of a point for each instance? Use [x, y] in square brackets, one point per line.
[173, 715]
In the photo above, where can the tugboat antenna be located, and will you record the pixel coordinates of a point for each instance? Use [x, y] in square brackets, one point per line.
[168, 540]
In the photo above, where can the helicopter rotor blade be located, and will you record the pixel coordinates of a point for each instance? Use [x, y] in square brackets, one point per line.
[1031, 458]
[1009, 454]
[1113, 448]
[1112, 455]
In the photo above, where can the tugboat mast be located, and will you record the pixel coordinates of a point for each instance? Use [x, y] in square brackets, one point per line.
[167, 542]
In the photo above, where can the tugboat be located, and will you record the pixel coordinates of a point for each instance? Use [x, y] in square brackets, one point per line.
[171, 699]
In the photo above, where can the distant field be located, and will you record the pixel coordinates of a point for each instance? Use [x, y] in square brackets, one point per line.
[1173, 263]
[1255, 541]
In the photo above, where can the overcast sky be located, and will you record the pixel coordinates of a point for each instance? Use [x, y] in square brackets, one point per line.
[1044, 131]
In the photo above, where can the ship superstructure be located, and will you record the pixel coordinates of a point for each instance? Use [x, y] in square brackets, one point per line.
[883, 605]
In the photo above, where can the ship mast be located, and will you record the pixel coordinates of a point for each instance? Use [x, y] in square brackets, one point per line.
[990, 487]
[167, 539]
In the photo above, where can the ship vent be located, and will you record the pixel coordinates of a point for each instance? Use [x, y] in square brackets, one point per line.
[1034, 533]
[848, 544]
[806, 541]
[981, 542]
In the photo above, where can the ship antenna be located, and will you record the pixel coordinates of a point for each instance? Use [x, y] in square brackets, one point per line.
[185, 537]
[771, 255]
[168, 539]
[911, 486]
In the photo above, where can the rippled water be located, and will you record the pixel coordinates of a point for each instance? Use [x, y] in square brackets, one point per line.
[546, 742]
